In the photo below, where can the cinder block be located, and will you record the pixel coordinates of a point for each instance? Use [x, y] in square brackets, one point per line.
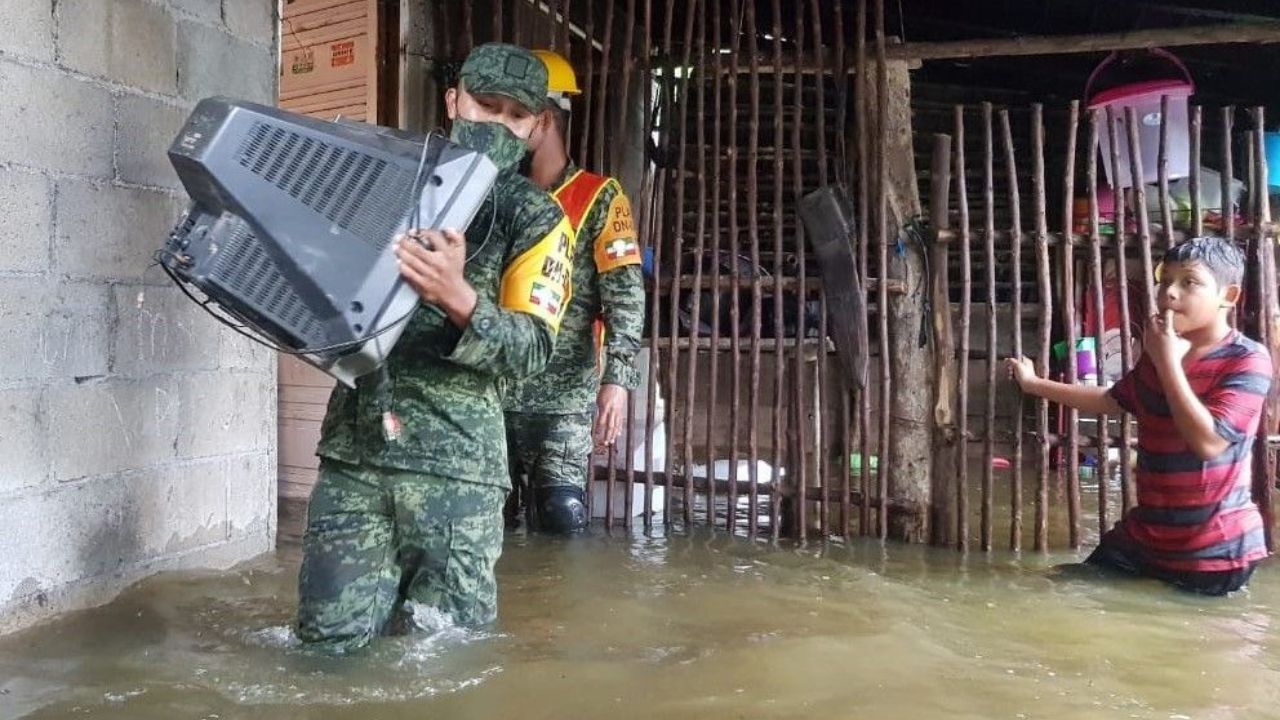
[75, 334]
[54, 122]
[24, 439]
[30, 29]
[128, 41]
[110, 233]
[111, 426]
[23, 303]
[26, 204]
[224, 413]
[145, 129]
[60, 535]
[251, 494]
[238, 352]
[178, 507]
[206, 53]
[161, 330]
[251, 19]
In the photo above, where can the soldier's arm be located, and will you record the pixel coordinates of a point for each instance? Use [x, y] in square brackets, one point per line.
[514, 336]
[621, 285]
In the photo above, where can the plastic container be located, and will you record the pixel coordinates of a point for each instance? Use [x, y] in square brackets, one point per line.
[1144, 97]
[1271, 141]
[1086, 358]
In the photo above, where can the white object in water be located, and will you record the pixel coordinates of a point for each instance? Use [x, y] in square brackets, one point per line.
[600, 499]
[764, 471]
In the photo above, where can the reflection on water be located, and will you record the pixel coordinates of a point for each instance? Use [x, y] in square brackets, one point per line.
[703, 626]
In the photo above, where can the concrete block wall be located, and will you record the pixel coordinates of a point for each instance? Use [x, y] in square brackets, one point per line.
[136, 434]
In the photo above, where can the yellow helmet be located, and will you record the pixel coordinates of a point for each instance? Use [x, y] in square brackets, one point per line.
[561, 79]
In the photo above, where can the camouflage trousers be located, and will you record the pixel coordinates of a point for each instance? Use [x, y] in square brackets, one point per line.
[549, 449]
[545, 450]
[377, 538]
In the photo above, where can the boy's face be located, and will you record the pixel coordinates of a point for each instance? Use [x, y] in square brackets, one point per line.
[489, 107]
[1194, 296]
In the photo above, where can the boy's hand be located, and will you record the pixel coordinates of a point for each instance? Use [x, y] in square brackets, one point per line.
[432, 263]
[1022, 370]
[1163, 344]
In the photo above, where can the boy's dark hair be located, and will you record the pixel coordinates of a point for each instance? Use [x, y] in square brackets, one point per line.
[1219, 255]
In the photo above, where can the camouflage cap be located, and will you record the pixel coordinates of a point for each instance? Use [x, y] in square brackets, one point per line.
[507, 70]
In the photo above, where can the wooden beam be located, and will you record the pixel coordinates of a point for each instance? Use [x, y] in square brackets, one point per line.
[1224, 34]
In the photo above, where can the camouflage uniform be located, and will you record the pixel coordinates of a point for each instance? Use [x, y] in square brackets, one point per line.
[550, 415]
[415, 515]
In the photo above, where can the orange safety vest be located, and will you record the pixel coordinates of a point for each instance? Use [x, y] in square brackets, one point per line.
[576, 196]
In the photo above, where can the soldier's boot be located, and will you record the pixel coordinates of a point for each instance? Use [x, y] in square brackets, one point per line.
[561, 509]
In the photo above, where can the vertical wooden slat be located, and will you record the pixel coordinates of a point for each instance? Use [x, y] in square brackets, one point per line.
[989, 260]
[1069, 320]
[882, 309]
[713, 406]
[1140, 212]
[1166, 208]
[628, 66]
[800, 397]
[1268, 330]
[820, 444]
[588, 82]
[945, 445]
[498, 29]
[651, 194]
[842, 84]
[1099, 304]
[599, 140]
[695, 310]
[566, 14]
[1046, 315]
[735, 273]
[1128, 494]
[779, 357]
[1197, 211]
[1228, 172]
[1015, 242]
[757, 301]
[861, 113]
[677, 260]
[468, 25]
[966, 291]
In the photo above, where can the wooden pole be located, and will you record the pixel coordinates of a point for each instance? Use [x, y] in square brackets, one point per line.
[1126, 338]
[1227, 207]
[1069, 320]
[882, 226]
[1099, 303]
[713, 405]
[966, 292]
[862, 113]
[946, 447]
[1140, 211]
[1166, 207]
[1046, 313]
[779, 356]
[1268, 334]
[801, 398]
[757, 300]
[1197, 211]
[1015, 242]
[989, 259]
[820, 443]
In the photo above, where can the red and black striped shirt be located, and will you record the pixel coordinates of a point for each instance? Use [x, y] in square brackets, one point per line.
[1192, 514]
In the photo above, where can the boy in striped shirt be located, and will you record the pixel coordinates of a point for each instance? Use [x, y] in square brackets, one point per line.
[1197, 394]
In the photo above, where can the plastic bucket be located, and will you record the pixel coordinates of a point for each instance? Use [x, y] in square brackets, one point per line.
[1144, 98]
[1271, 141]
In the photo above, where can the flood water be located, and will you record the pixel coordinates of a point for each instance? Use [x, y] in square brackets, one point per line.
[704, 626]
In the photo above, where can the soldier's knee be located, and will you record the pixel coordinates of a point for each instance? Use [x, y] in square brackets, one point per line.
[561, 509]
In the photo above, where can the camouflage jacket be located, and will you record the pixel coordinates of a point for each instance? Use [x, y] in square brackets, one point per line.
[607, 284]
[443, 383]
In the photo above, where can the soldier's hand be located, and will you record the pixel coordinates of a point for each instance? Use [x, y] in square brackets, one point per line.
[432, 263]
[611, 410]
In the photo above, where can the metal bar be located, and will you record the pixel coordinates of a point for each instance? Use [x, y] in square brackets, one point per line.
[779, 361]
[989, 237]
[1046, 315]
[1128, 493]
[1166, 208]
[1197, 212]
[1015, 234]
[801, 398]
[1099, 304]
[695, 310]
[882, 223]
[1140, 210]
[757, 301]
[966, 292]
[1069, 320]
[682, 136]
